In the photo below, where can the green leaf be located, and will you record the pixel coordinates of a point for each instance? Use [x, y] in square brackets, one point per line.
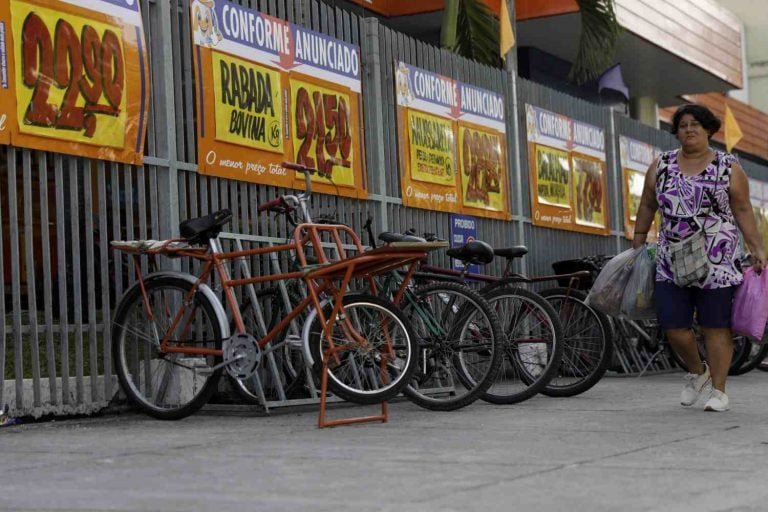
[471, 30]
[597, 44]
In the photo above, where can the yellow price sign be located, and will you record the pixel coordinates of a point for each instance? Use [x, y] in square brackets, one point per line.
[431, 148]
[71, 76]
[247, 104]
[482, 168]
[322, 129]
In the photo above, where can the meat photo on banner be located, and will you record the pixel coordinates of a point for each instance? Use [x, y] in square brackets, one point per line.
[567, 172]
[269, 91]
[452, 142]
[74, 77]
[636, 157]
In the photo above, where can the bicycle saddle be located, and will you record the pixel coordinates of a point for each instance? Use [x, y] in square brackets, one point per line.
[516, 251]
[476, 252]
[388, 237]
[201, 229]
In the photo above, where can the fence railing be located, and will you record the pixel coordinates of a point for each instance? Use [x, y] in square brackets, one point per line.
[61, 280]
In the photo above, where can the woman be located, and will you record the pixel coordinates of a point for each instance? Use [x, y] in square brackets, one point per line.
[695, 188]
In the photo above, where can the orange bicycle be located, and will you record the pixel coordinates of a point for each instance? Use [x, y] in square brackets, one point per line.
[171, 334]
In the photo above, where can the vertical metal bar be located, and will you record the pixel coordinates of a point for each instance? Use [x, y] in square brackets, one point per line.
[45, 237]
[615, 165]
[117, 232]
[106, 281]
[130, 217]
[168, 186]
[89, 247]
[29, 275]
[4, 155]
[374, 117]
[61, 264]
[516, 165]
[77, 301]
[13, 223]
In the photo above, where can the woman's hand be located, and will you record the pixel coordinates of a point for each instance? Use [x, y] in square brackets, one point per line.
[758, 260]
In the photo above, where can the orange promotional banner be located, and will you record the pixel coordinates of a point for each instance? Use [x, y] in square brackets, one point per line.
[452, 145]
[269, 91]
[636, 157]
[74, 77]
[567, 169]
[6, 94]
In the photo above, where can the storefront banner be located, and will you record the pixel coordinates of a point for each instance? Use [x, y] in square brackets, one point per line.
[6, 95]
[553, 177]
[429, 92]
[269, 91]
[588, 140]
[452, 144]
[432, 149]
[635, 156]
[548, 128]
[482, 107]
[567, 169]
[258, 37]
[78, 75]
[483, 171]
[589, 195]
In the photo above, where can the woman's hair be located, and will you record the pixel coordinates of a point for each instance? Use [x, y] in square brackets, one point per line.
[703, 115]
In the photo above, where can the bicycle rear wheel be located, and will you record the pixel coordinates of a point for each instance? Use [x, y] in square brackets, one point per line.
[460, 345]
[587, 347]
[533, 346]
[167, 386]
[756, 355]
[375, 346]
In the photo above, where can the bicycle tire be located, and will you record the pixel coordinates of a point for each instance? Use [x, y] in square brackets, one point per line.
[740, 354]
[755, 356]
[289, 360]
[370, 385]
[587, 347]
[183, 381]
[529, 359]
[460, 345]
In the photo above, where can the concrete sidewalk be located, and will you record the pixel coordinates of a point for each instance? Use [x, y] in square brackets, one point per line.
[624, 445]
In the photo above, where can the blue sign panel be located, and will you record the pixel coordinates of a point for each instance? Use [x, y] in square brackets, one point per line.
[463, 230]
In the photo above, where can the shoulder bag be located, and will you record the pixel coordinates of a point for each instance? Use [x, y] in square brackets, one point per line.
[689, 258]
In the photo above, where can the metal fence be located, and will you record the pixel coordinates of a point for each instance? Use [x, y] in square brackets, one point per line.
[61, 279]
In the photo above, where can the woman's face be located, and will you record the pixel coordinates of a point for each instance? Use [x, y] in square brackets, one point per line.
[691, 133]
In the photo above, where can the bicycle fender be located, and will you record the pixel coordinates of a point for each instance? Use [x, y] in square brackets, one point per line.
[221, 315]
[305, 334]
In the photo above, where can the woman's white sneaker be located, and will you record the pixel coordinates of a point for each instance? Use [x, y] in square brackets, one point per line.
[717, 402]
[694, 385]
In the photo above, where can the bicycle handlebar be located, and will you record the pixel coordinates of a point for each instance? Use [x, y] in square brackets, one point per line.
[278, 205]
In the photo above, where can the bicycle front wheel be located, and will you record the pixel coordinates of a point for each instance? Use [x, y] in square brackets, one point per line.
[460, 345]
[371, 356]
[533, 345]
[165, 385]
[587, 347]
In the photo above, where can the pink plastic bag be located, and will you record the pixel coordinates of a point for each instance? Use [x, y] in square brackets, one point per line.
[750, 306]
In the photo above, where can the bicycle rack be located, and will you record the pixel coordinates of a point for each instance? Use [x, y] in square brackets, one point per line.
[270, 376]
